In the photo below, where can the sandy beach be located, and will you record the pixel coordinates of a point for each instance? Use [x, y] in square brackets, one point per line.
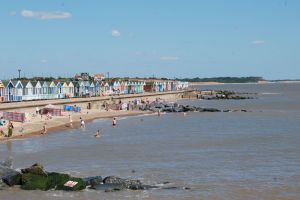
[34, 124]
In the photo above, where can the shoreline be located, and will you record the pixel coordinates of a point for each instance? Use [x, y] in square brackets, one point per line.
[65, 125]
[33, 125]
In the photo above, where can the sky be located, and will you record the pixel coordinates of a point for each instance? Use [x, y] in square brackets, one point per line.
[145, 38]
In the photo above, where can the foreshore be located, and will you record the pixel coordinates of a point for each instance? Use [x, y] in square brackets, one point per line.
[33, 126]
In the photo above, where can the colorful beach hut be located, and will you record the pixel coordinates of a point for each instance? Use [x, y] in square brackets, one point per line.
[65, 89]
[28, 91]
[45, 90]
[18, 90]
[38, 90]
[71, 89]
[52, 90]
[92, 89]
[9, 91]
[97, 88]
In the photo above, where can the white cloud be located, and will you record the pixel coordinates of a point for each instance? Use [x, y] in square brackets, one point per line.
[115, 33]
[258, 42]
[45, 15]
[169, 58]
[44, 61]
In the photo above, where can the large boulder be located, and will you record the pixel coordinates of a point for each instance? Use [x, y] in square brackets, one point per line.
[53, 180]
[93, 180]
[9, 176]
[129, 184]
[36, 169]
[12, 178]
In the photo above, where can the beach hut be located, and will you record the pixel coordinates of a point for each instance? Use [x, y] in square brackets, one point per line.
[28, 91]
[65, 90]
[71, 89]
[38, 90]
[107, 89]
[97, 88]
[102, 88]
[45, 90]
[52, 90]
[59, 90]
[2, 89]
[122, 87]
[92, 89]
[77, 88]
[18, 90]
[9, 91]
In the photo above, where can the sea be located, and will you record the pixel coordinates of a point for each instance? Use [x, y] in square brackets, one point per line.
[251, 155]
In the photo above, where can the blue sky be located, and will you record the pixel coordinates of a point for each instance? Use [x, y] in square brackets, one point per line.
[165, 38]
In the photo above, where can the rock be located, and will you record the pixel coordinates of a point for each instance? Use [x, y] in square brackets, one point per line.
[35, 182]
[129, 184]
[12, 178]
[210, 110]
[109, 187]
[9, 176]
[36, 169]
[53, 180]
[93, 180]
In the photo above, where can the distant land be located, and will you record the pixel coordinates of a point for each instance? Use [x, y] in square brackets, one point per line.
[250, 79]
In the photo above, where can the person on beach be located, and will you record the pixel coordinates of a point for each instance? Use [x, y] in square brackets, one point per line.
[10, 129]
[97, 135]
[37, 110]
[44, 129]
[71, 121]
[158, 113]
[21, 129]
[82, 123]
[114, 122]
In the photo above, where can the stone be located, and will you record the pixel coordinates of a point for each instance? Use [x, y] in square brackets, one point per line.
[93, 180]
[12, 178]
[53, 180]
[129, 184]
[35, 169]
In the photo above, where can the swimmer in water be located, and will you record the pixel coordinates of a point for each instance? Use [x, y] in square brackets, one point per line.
[97, 135]
[114, 122]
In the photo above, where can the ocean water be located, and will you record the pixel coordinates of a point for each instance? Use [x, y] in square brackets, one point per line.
[253, 155]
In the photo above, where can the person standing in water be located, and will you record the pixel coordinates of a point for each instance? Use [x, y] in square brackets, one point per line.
[71, 121]
[10, 129]
[114, 122]
[97, 135]
[44, 130]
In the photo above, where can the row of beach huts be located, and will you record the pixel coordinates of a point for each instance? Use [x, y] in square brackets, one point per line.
[26, 90]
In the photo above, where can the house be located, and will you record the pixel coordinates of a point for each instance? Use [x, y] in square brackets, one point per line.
[65, 89]
[18, 90]
[97, 88]
[52, 91]
[45, 90]
[38, 91]
[99, 77]
[2, 89]
[9, 91]
[71, 89]
[92, 90]
[59, 90]
[28, 91]
[77, 88]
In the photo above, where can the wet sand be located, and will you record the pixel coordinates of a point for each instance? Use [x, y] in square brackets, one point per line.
[33, 127]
